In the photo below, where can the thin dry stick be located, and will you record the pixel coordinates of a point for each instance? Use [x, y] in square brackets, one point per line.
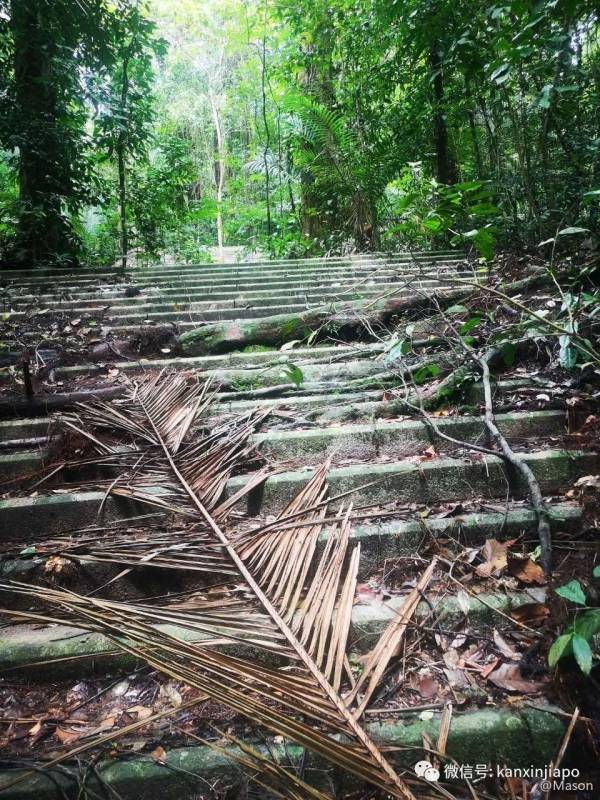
[507, 453]
[563, 746]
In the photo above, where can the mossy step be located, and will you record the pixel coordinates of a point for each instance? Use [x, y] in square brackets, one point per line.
[195, 288]
[25, 646]
[57, 275]
[523, 736]
[379, 542]
[433, 481]
[152, 300]
[274, 283]
[270, 372]
[346, 406]
[374, 440]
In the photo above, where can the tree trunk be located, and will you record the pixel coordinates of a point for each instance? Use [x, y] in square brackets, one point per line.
[219, 170]
[44, 233]
[445, 164]
[121, 165]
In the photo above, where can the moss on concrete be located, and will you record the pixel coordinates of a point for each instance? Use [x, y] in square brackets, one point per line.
[519, 737]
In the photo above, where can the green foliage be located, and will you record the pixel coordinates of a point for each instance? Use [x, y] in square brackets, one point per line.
[293, 374]
[575, 641]
[342, 126]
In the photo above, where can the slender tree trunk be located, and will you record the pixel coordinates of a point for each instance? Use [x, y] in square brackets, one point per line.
[44, 233]
[445, 164]
[122, 164]
[473, 130]
[267, 141]
[219, 170]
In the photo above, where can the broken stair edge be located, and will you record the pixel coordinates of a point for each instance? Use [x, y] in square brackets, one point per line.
[522, 737]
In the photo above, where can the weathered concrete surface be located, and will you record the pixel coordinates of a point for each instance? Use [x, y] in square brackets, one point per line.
[433, 481]
[369, 259]
[393, 439]
[347, 405]
[379, 542]
[198, 297]
[26, 646]
[519, 737]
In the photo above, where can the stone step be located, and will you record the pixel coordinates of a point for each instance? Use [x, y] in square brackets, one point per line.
[262, 368]
[432, 481]
[348, 406]
[271, 285]
[371, 441]
[25, 645]
[488, 736]
[152, 299]
[55, 275]
[380, 542]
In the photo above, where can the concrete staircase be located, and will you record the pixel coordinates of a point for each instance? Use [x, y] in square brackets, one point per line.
[388, 462]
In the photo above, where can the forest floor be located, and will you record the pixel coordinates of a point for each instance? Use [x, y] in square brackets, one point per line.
[391, 398]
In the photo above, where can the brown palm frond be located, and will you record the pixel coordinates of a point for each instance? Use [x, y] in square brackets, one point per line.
[263, 771]
[130, 436]
[282, 603]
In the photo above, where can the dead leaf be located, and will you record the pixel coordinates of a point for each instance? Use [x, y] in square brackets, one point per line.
[588, 482]
[171, 693]
[428, 687]
[143, 712]
[503, 646]
[456, 678]
[35, 729]
[67, 735]
[463, 601]
[159, 755]
[495, 555]
[531, 614]
[451, 658]
[56, 565]
[526, 570]
[489, 668]
[508, 676]
[107, 723]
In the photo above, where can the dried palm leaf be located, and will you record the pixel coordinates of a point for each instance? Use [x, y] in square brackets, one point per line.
[281, 603]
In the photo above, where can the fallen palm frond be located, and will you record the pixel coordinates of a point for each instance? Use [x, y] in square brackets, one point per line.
[277, 594]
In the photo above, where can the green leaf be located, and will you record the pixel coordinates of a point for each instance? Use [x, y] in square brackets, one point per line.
[583, 653]
[457, 310]
[398, 349]
[509, 352]
[424, 373]
[432, 225]
[470, 324]
[572, 230]
[572, 591]
[294, 374]
[501, 74]
[559, 649]
[587, 623]
[544, 98]
[567, 354]
[596, 572]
